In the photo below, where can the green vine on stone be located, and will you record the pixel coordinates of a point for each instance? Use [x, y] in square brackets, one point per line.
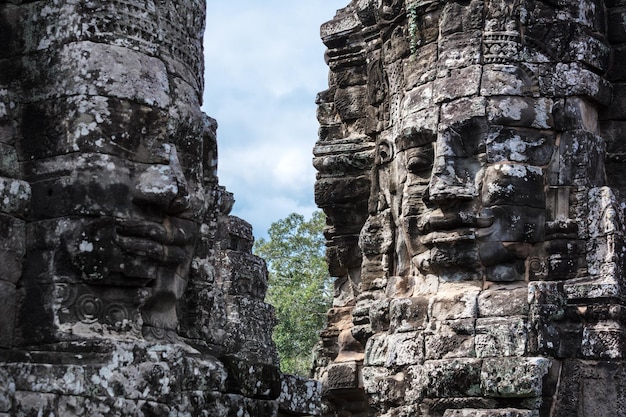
[413, 33]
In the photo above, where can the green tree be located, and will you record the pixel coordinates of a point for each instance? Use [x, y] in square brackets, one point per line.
[300, 288]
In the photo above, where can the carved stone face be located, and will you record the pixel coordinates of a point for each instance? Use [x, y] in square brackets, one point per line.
[464, 143]
[126, 232]
[120, 160]
[471, 206]
[146, 242]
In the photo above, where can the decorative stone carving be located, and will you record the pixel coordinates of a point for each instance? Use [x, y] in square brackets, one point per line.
[487, 255]
[126, 288]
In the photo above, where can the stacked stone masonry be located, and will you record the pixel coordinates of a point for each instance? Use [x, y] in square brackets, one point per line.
[126, 288]
[471, 166]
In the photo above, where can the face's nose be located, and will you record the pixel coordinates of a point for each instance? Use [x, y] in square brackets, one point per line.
[454, 174]
[459, 151]
[164, 185]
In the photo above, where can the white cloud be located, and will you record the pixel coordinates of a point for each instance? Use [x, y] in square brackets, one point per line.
[264, 66]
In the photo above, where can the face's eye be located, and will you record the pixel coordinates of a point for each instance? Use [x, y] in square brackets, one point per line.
[420, 159]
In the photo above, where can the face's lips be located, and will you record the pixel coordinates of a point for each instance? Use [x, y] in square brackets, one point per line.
[165, 233]
[465, 234]
[166, 243]
[436, 226]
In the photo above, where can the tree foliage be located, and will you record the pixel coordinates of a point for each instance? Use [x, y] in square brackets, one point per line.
[299, 286]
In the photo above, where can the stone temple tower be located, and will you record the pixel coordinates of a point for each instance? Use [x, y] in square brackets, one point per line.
[126, 288]
[470, 162]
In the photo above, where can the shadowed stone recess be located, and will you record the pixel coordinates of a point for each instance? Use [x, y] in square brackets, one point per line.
[471, 169]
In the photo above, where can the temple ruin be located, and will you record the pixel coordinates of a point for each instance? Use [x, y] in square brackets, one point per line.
[471, 166]
[126, 288]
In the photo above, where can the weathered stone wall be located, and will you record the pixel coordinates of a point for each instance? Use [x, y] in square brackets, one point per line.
[126, 288]
[470, 165]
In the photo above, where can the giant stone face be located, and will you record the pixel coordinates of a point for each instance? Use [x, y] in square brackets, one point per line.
[121, 165]
[473, 205]
[462, 145]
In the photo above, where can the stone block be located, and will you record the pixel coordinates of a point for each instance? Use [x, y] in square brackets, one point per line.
[520, 111]
[336, 29]
[252, 380]
[300, 396]
[10, 265]
[141, 128]
[404, 349]
[454, 301]
[376, 350]
[583, 151]
[503, 301]
[501, 336]
[419, 98]
[248, 327]
[15, 196]
[509, 270]
[342, 375]
[459, 82]
[449, 341]
[603, 340]
[615, 143]
[229, 405]
[503, 412]
[350, 348]
[506, 80]
[580, 391]
[590, 49]
[345, 155]
[457, 262]
[458, 50]
[616, 26]
[241, 274]
[395, 48]
[403, 411]
[514, 377]
[105, 406]
[351, 102]
[617, 109]
[340, 318]
[589, 289]
[35, 403]
[420, 121]
[522, 146]
[400, 286]
[572, 79]
[408, 314]
[9, 164]
[8, 389]
[544, 292]
[330, 131]
[379, 315]
[618, 72]
[332, 191]
[460, 110]
[351, 76]
[383, 384]
[549, 335]
[575, 113]
[144, 78]
[452, 378]
[420, 68]
[513, 184]
[8, 305]
[557, 259]
[207, 374]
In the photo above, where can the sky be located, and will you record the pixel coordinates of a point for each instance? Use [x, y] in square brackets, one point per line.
[264, 65]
